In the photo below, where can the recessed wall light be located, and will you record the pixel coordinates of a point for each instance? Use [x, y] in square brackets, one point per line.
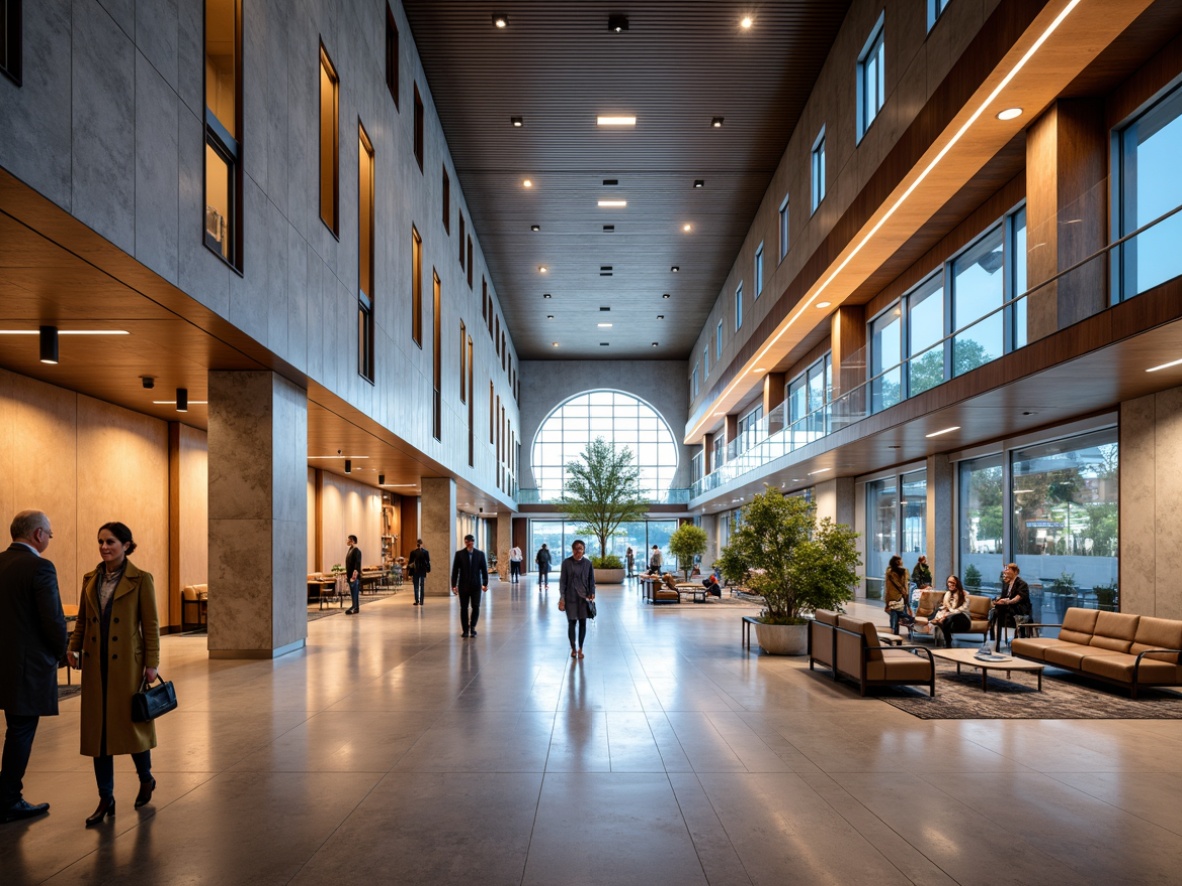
[675, 269]
[500, 21]
[517, 122]
[660, 316]
[699, 182]
[542, 269]
[717, 122]
[655, 345]
[553, 344]
[615, 121]
[1009, 114]
[549, 316]
[604, 325]
[617, 23]
[608, 229]
[610, 182]
[612, 204]
[666, 295]
[823, 304]
[746, 22]
[687, 227]
[535, 228]
[528, 183]
[944, 431]
[547, 295]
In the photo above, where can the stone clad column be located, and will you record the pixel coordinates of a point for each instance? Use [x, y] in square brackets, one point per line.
[258, 534]
[504, 542]
[941, 525]
[437, 514]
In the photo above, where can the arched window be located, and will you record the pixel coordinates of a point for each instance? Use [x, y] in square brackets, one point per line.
[622, 420]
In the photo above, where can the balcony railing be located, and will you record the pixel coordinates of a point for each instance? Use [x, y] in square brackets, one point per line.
[1116, 272]
[679, 496]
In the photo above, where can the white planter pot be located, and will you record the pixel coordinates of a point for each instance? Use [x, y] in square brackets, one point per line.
[609, 576]
[782, 639]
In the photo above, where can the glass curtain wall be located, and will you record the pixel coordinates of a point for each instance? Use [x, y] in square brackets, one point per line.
[882, 532]
[914, 511]
[640, 536]
[886, 352]
[980, 523]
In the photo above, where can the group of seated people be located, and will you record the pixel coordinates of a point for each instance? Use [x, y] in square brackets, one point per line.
[952, 616]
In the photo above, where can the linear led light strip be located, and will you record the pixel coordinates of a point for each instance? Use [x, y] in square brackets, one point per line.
[66, 332]
[902, 198]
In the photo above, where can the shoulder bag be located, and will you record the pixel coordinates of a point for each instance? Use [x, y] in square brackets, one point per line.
[591, 612]
[153, 701]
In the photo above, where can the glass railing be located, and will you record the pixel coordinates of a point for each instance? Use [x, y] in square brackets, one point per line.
[673, 496]
[1115, 273]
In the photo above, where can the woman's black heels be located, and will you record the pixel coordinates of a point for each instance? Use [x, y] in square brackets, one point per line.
[145, 794]
[106, 807]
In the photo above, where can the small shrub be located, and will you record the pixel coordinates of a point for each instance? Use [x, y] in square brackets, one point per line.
[610, 561]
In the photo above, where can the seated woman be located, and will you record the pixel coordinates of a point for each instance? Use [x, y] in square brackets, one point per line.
[710, 583]
[953, 614]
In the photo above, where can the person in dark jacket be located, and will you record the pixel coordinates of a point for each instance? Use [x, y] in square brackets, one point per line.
[543, 560]
[353, 572]
[32, 643]
[469, 579]
[419, 564]
[576, 584]
[1015, 600]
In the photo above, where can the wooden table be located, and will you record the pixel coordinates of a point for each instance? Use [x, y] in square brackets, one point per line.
[969, 657]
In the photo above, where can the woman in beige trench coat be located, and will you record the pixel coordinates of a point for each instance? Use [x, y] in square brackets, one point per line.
[116, 644]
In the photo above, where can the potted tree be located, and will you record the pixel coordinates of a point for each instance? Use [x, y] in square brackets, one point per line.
[795, 563]
[602, 491]
[686, 542]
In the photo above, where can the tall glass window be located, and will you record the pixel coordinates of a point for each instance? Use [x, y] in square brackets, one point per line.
[871, 78]
[622, 420]
[758, 271]
[365, 250]
[416, 286]
[718, 341]
[10, 39]
[817, 169]
[738, 307]
[981, 523]
[925, 330]
[978, 287]
[784, 228]
[882, 515]
[559, 535]
[329, 142]
[223, 124]
[1150, 187]
[1017, 265]
[886, 351]
[914, 502]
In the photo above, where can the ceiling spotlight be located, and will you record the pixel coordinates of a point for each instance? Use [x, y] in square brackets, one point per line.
[528, 183]
[547, 295]
[687, 227]
[553, 344]
[655, 345]
[535, 228]
[666, 295]
[699, 182]
[549, 316]
[615, 120]
[500, 22]
[675, 269]
[716, 122]
[49, 345]
[542, 269]
[517, 122]
[348, 466]
[182, 399]
[612, 204]
[823, 304]
[617, 23]
[746, 22]
[660, 316]
[1010, 114]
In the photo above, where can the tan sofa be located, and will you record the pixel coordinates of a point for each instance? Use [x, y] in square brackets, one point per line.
[194, 599]
[850, 647]
[1118, 647]
[929, 602]
[660, 589]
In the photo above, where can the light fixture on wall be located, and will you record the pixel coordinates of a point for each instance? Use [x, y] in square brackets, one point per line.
[182, 399]
[348, 466]
[617, 23]
[49, 345]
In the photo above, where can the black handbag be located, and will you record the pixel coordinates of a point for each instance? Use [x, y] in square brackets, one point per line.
[153, 701]
[591, 613]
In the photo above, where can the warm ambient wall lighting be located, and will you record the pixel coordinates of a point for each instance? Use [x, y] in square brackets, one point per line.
[746, 22]
[500, 22]
[615, 121]
[49, 345]
[717, 122]
[945, 431]
[612, 204]
[173, 402]
[1164, 366]
[1010, 114]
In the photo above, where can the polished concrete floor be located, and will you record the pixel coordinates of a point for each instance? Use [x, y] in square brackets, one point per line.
[393, 751]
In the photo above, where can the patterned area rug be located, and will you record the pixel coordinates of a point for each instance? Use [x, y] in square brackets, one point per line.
[1064, 696]
[333, 608]
[64, 692]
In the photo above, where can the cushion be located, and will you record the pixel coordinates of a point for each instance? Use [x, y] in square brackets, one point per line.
[1119, 666]
[866, 629]
[929, 602]
[1035, 647]
[979, 607]
[1069, 655]
[670, 582]
[1115, 631]
[900, 665]
[1078, 625]
[1158, 633]
[824, 616]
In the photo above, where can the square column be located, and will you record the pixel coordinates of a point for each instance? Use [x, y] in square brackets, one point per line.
[942, 539]
[258, 533]
[504, 543]
[437, 529]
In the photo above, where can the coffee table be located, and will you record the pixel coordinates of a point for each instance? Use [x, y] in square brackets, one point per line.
[969, 657]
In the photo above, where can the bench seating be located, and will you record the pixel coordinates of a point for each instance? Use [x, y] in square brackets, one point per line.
[850, 647]
[1117, 647]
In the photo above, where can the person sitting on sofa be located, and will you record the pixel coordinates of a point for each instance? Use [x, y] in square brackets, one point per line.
[953, 615]
[710, 583]
[1014, 601]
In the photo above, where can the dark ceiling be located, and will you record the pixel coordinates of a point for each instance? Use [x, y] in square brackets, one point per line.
[558, 67]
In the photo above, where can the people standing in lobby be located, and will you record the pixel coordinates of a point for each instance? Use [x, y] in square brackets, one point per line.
[469, 579]
[543, 559]
[1015, 600]
[654, 561]
[419, 564]
[630, 557]
[353, 571]
[116, 645]
[515, 565]
[898, 606]
[32, 643]
[576, 584]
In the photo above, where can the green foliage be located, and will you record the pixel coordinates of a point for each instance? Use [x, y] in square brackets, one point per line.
[972, 578]
[687, 542]
[796, 565]
[1106, 596]
[1064, 584]
[602, 491]
[608, 561]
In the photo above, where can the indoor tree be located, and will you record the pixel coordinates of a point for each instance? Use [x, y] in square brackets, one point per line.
[602, 490]
[687, 542]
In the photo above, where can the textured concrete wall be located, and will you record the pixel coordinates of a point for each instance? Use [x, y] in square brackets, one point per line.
[660, 383]
[108, 124]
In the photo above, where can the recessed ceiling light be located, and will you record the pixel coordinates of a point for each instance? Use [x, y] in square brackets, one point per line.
[1164, 366]
[549, 316]
[617, 23]
[500, 22]
[746, 22]
[610, 182]
[675, 269]
[535, 228]
[687, 227]
[66, 332]
[553, 344]
[666, 295]
[517, 122]
[1010, 114]
[608, 229]
[542, 269]
[699, 182]
[716, 122]
[612, 204]
[546, 295]
[604, 325]
[191, 403]
[819, 471]
[528, 183]
[823, 304]
[660, 316]
[945, 431]
[655, 345]
[615, 121]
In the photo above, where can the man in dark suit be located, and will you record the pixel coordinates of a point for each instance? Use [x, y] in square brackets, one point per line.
[1015, 600]
[469, 579]
[32, 643]
[419, 564]
[353, 571]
